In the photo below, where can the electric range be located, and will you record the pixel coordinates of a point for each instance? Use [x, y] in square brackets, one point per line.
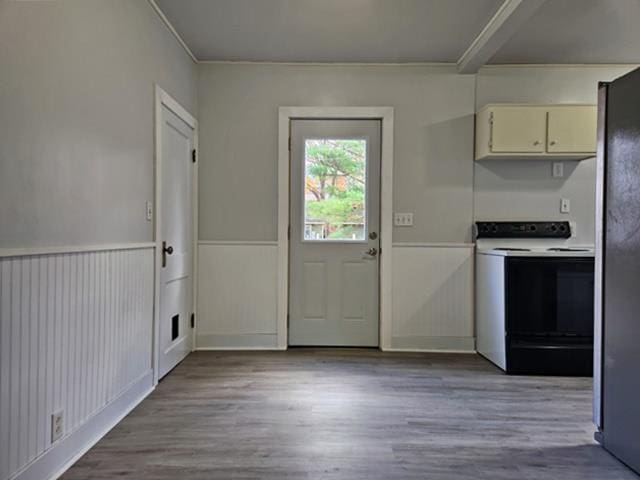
[534, 298]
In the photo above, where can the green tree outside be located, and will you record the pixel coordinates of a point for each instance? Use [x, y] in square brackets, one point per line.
[335, 182]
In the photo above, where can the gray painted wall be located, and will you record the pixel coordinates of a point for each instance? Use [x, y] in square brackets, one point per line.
[238, 113]
[505, 189]
[433, 171]
[77, 96]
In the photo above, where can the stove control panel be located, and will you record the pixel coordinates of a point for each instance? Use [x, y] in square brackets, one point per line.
[523, 230]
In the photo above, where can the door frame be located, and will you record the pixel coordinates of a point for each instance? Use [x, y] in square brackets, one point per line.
[163, 98]
[386, 116]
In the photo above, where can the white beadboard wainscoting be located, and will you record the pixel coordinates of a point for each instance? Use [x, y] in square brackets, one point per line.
[433, 297]
[237, 295]
[75, 337]
[432, 290]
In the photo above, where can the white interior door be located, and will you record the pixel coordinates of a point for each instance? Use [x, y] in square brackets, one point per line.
[176, 235]
[334, 232]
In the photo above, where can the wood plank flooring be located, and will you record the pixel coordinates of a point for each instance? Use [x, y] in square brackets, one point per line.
[353, 414]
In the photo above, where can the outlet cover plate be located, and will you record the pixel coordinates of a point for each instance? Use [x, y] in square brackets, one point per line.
[57, 425]
[558, 169]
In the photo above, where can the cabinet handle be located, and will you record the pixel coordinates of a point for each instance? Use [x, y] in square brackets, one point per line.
[552, 142]
[537, 142]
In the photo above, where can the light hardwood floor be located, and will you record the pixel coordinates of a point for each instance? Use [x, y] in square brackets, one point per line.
[353, 414]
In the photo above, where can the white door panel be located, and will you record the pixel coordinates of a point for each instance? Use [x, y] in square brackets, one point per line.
[176, 234]
[334, 222]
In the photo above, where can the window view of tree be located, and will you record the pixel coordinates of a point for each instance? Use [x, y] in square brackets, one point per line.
[335, 181]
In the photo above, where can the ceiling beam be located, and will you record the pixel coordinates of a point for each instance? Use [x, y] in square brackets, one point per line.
[511, 15]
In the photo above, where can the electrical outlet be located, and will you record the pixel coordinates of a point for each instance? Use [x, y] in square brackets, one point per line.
[149, 207]
[558, 169]
[565, 205]
[57, 425]
[403, 219]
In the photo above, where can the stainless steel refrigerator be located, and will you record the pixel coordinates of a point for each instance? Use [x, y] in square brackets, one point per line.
[617, 271]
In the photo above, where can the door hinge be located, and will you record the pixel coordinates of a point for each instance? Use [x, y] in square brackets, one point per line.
[193, 320]
[193, 155]
[289, 143]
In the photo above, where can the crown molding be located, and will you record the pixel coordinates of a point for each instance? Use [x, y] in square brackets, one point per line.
[171, 28]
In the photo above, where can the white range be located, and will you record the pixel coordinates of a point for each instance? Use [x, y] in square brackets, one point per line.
[534, 298]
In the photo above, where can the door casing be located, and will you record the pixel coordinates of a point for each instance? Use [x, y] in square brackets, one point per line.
[163, 98]
[386, 116]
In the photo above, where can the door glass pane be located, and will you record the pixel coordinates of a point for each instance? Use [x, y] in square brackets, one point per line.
[335, 174]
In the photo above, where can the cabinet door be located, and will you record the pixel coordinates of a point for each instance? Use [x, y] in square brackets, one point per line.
[518, 129]
[572, 129]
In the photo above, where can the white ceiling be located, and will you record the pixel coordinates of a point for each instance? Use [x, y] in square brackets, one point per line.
[329, 30]
[577, 31]
[561, 31]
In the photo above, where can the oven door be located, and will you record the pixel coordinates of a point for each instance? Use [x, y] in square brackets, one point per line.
[549, 315]
[550, 299]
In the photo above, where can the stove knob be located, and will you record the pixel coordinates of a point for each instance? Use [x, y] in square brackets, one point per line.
[563, 228]
[554, 228]
[532, 228]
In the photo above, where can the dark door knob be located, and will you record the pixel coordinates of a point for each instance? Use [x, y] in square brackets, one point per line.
[166, 251]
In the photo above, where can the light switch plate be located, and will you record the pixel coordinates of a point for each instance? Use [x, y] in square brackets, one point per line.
[403, 219]
[149, 207]
[558, 169]
[565, 205]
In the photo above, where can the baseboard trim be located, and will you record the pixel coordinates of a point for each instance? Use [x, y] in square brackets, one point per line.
[266, 341]
[62, 455]
[433, 344]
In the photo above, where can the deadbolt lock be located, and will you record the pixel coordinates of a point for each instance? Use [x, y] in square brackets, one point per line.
[373, 235]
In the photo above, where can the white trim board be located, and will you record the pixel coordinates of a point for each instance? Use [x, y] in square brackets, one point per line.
[257, 341]
[386, 115]
[163, 98]
[432, 245]
[511, 15]
[25, 252]
[272, 243]
[172, 29]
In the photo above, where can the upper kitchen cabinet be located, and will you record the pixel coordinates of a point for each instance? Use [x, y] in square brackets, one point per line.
[515, 131]
[572, 129]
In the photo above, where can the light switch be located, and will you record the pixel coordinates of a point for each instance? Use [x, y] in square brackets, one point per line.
[149, 206]
[403, 219]
[565, 205]
[558, 169]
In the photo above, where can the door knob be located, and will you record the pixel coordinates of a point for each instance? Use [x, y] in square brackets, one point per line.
[166, 251]
[372, 252]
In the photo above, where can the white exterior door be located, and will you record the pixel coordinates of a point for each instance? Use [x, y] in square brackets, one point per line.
[334, 232]
[176, 236]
